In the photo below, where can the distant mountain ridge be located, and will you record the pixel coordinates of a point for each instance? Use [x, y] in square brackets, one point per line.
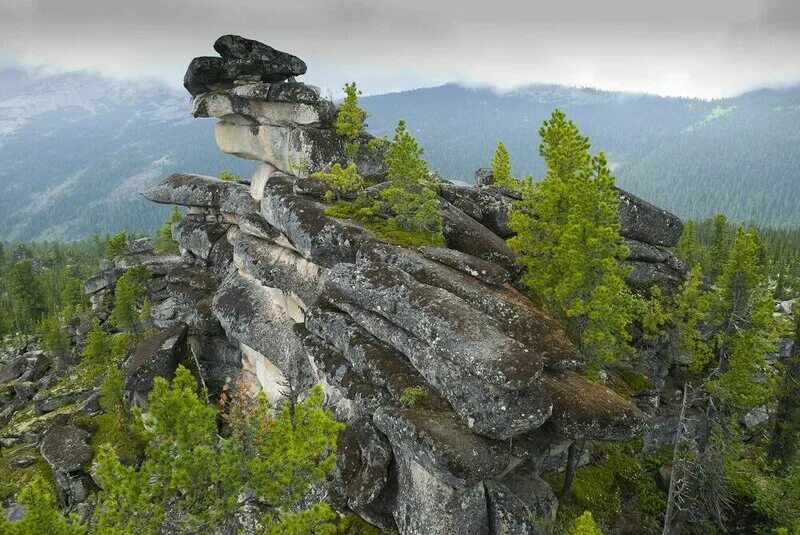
[77, 148]
[739, 155]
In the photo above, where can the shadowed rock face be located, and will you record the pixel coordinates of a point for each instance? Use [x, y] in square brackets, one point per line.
[242, 60]
[457, 391]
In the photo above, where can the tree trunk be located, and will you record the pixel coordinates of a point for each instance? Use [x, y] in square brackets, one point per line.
[673, 475]
[573, 458]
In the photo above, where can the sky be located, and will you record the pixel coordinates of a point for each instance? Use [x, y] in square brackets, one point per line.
[695, 48]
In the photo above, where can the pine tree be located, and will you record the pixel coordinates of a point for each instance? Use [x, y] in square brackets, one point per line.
[53, 337]
[343, 181]
[350, 117]
[688, 248]
[744, 316]
[196, 474]
[404, 164]
[720, 244]
[163, 241]
[411, 197]
[116, 244]
[127, 293]
[27, 296]
[785, 443]
[42, 516]
[567, 234]
[692, 307]
[72, 297]
[501, 167]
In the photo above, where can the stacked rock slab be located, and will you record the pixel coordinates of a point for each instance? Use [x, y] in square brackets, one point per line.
[308, 299]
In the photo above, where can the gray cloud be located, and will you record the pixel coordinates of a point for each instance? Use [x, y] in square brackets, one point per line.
[703, 48]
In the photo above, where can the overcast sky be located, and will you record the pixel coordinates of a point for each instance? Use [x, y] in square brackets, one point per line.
[702, 48]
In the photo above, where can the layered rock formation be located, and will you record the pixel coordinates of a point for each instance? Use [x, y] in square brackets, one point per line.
[456, 390]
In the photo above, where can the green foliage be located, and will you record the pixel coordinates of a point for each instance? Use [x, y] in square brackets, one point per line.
[501, 167]
[567, 234]
[692, 308]
[26, 295]
[199, 475]
[350, 117]
[411, 197]
[117, 243]
[364, 209]
[720, 243]
[43, 515]
[344, 181]
[127, 294]
[103, 351]
[44, 279]
[292, 450]
[73, 299]
[653, 313]
[688, 248]
[617, 488]
[404, 164]
[413, 395]
[585, 525]
[744, 315]
[414, 210]
[319, 519]
[53, 337]
[228, 176]
[163, 240]
[112, 426]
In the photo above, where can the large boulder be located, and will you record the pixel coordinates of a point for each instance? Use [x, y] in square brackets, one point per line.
[293, 92]
[66, 448]
[158, 356]
[187, 189]
[243, 60]
[319, 238]
[521, 505]
[237, 110]
[488, 377]
[198, 235]
[260, 317]
[297, 150]
[640, 220]
[277, 267]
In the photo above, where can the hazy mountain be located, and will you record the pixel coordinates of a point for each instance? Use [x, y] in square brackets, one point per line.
[76, 148]
[694, 157]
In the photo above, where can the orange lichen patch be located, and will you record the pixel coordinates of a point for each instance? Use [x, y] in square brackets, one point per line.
[585, 409]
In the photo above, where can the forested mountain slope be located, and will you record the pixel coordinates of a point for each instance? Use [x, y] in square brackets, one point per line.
[77, 148]
[738, 155]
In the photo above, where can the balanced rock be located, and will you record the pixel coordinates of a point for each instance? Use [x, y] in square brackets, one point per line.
[242, 60]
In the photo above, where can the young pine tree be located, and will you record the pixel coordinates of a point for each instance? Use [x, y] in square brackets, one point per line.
[567, 234]
[585, 525]
[688, 248]
[42, 516]
[116, 244]
[350, 117]
[26, 294]
[720, 244]
[199, 476]
[127, 293]
[164, 242]
[411, 197]
[744, 316]
[501, 167]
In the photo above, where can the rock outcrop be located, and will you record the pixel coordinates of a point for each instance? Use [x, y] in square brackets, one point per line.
[430, 355]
